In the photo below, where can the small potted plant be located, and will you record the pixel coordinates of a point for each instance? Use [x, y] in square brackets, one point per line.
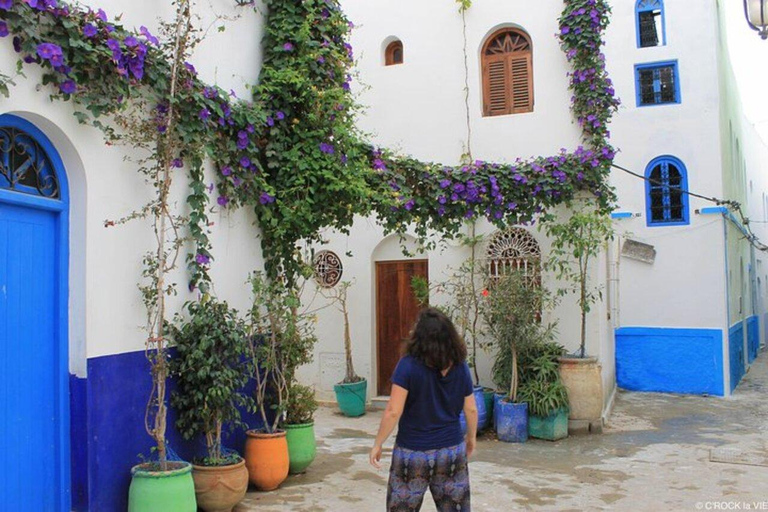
[299, 427]
[352, 392]
[281, 340]
[575, 244]
[543, 390]
[210, 345]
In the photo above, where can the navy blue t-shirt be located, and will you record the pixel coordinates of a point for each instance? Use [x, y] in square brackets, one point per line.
[430, 420]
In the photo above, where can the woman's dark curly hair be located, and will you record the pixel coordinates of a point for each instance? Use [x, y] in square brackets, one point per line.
[435, 342]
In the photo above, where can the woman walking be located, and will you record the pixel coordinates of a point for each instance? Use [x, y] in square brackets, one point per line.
[431, 386]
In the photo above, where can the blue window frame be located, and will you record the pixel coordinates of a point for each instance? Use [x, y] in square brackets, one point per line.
[665, 192]
[650, 23]
[657, 83]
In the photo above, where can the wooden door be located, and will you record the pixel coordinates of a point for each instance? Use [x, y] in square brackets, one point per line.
[396, 311]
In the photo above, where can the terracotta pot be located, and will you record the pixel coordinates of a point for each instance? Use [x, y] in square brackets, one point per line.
[266, 457]
[220, 488]
[582, 378]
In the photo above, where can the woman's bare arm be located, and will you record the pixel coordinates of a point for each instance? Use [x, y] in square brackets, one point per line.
[470, 414]
[391, 417]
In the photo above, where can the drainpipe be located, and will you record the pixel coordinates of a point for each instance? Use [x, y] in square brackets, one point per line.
[727, 341]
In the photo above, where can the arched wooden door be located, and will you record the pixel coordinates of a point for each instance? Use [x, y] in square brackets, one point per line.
[34, 395]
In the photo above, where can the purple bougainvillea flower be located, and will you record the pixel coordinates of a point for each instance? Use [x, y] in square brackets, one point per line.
[321, 59]
[149, 37]
[131, 42]
[379, 164]
[6, 4]
[327, 148]
[270, 121]
[202, 259]
[68, 87]
[190, 68]
[100, 14]
[242, 143]
[226, 170]
[565, 30]
[265, 198]
[177, 163]
[344, 159]
[204, 114]
[48, 51]
[288, 47]
[279, 115]
[3, 29]
[410, 204]
[17, 44]
[245, 162]
[223, 200]
[90, 30]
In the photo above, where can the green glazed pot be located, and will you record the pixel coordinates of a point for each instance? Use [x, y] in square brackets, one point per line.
[551, 428]
[302, 447]
[162, 491]
[351, 398]
[488, 398]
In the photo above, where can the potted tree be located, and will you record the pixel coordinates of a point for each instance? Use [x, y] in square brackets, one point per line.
[575, 244]
[299, 427]
[280, 341]
[352, 392]
[542, 389]
[209, 372]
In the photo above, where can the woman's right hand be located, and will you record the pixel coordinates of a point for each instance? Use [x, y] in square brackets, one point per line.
[471, 442]
[375, 456]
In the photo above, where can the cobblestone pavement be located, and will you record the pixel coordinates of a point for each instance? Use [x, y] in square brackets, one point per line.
[653, 456]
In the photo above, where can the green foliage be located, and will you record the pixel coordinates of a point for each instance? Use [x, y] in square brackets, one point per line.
[301, 405]
[210, 372]
[540, 384]
[282, 340]
[575, 243]
[420, 287]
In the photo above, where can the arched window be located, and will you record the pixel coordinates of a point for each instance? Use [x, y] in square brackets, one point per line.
[667, 203]
[507, 73]
[25, 166]
[650, 23]
[394, 53]
[514, 249]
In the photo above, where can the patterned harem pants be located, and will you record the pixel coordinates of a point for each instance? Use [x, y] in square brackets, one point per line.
[444, 471]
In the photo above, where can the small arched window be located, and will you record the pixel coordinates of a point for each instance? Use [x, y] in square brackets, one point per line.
[667, 201]
[25, 166]
[394, 53]
[514, 250]
[507, 73]
[650, 23]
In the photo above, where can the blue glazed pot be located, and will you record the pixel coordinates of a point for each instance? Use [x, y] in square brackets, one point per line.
[497, 397]
[482, 415]
[511, 422]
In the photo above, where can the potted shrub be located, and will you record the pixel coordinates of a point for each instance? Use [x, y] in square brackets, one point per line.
[299, 427]
[575, 243]
[543, 390]
[280, 341]
[352, 392]
[209, 371]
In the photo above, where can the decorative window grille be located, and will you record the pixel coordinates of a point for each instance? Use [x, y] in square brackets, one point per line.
[507, 73]
[667, 201]
[514, 250]
[394, 53]
[650, 23]
[657, 84]
[25, 166]
[328, 269]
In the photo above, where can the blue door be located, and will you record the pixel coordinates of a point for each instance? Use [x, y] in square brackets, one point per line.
[34, 448]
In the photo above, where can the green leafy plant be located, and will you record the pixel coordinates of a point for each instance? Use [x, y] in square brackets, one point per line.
[541, 387]
[281, 340]
[576, 242]
[210, 373]
[301, 405]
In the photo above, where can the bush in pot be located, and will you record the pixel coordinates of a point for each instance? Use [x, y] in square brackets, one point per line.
[575, 244]
[543, 390]
[210, 372]
[299, 427]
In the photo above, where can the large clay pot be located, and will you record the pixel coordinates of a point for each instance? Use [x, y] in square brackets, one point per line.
[351, 398]
[220, 488]
[162, 491]
[583, 380]
[302, 447]
[266, 457]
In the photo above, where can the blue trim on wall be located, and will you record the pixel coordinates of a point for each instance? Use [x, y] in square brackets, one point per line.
[638, 10]
[736, 353]
[78, 393]
[670, 360]
[118, 388]
[660, 64]
[712, 210]
[753, 338]
[621, 215]
[683, 185]
[62, 450]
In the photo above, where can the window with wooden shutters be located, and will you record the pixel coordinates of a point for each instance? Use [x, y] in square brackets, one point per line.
[394, 53]
[507, 74]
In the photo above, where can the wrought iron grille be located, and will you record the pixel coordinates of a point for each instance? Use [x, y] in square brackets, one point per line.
[328, 269]
[657, 85]
[25, 166]
[514, 250]
[666, 184]
[649, 32]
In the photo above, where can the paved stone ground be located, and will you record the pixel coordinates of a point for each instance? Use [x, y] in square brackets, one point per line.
[653, 456]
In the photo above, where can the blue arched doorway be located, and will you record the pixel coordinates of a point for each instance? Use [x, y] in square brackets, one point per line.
[34, 394]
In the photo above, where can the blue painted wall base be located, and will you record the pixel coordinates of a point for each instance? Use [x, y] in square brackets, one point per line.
[736, 353]
[670, 360]
[753, 337]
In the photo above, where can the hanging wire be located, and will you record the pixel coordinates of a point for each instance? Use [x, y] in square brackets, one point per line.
[734, 206]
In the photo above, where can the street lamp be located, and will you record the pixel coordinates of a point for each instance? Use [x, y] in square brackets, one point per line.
[756, 12]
